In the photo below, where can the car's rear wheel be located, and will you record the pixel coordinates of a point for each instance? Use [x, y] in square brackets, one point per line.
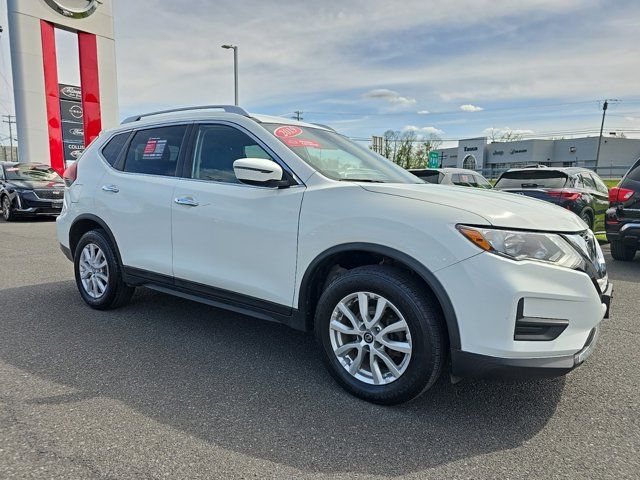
[7, 211]
[381, 334]
[98, 274]
[622, 252]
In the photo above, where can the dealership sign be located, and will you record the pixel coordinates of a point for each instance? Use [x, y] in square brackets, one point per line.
[72, 116]
[74, 8]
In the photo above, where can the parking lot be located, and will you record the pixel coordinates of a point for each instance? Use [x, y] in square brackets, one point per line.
[170, 388]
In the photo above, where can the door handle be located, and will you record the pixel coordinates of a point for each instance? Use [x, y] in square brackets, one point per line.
[110, 188]
[187, 201]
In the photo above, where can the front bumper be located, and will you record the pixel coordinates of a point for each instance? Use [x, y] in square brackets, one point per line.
[466, 364]
[28, 204]
[491, 295]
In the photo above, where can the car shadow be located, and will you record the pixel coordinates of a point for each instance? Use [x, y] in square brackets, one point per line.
[254, 387]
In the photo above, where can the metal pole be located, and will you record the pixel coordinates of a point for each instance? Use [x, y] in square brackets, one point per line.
[604, 112]
[10, 122]
[235, 72]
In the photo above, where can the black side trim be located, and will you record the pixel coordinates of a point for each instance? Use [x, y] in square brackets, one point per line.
[216, 297]
[426, 275]
[537, 329]
[67, 252]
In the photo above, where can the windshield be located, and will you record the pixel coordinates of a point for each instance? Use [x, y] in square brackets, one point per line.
[532, 179]
[337, 157]
[32, 172]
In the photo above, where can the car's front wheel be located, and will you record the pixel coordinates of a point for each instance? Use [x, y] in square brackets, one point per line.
[7, 211]
[98, 274]
[620, 251]
[381, 334]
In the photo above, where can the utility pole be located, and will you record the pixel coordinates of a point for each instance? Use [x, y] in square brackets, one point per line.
[298, 115]
[604, 113]
[11, 123]
[235, 70]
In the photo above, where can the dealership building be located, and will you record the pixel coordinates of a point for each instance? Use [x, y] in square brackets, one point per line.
[492, 158]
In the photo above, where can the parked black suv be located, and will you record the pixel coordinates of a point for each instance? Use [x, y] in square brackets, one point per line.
[577, 189]
[623, 218]
[28, 189]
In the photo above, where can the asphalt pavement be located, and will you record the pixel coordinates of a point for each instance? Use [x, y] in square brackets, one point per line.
[167, 388]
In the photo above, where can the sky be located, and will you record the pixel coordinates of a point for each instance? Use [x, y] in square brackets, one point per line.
[456, 69]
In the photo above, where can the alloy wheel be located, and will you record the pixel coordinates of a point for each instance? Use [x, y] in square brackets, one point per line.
[94, 270]
[370, 338]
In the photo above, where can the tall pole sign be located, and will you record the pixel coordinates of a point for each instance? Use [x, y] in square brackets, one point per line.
[48, 121]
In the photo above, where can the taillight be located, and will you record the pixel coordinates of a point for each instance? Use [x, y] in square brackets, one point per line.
[70, 174]
[617, 194]
[564, 194]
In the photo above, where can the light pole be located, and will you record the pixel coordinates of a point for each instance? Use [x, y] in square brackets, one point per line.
[235, 68]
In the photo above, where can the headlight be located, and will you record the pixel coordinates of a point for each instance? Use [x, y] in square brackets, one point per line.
[520, 245]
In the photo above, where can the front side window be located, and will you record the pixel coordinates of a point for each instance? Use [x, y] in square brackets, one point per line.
[337, 157]
[155, 151]
[32, 172]
[602, 188]
[217, 147]
[464, 180]
[481, 182]
[588, 181]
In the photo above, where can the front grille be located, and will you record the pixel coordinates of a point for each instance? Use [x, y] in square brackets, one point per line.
[49, 194]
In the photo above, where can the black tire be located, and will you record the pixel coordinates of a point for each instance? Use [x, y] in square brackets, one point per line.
[587, 217]
[117, 293]
[622, 252]
[420, 312]
[7, 212]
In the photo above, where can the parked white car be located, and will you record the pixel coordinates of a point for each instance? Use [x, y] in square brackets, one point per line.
[292, 222]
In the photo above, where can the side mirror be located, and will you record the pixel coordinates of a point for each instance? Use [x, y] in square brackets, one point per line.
[260, 172]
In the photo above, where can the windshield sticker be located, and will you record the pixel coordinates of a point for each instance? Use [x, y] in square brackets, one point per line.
[287, 131]
[13, 169]
[301, 142]
[154, 148]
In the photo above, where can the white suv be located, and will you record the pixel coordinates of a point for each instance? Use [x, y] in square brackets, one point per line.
[294, 223]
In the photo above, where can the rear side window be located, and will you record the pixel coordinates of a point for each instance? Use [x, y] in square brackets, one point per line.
[111, 151]
[534, 178]
[155, 151]
[463, 179]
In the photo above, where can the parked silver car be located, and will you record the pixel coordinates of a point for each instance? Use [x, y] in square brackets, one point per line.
[452, 176]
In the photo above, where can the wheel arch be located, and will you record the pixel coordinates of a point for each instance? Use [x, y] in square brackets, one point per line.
[86, 222]
[319, 270]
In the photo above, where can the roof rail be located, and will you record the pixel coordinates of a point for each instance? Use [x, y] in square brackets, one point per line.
[226, 108]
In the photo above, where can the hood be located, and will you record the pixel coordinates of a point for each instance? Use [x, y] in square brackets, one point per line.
[499, 209]
[30, 184]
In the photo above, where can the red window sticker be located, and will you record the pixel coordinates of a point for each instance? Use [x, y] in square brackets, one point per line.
[287, 131]
[154, 148]
[301, 142]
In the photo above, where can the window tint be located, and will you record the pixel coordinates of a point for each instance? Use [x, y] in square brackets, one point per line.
[429, 176]
[532, 178]
[634, 173]
[112, 149]
[217, 147]
[155, 151]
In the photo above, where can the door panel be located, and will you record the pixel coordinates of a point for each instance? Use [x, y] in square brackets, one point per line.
[238, 238]
[139, 216]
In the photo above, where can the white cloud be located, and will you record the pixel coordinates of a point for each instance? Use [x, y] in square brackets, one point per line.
[389, 95]
[423, 112]
[470, 108]
[428, 131]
